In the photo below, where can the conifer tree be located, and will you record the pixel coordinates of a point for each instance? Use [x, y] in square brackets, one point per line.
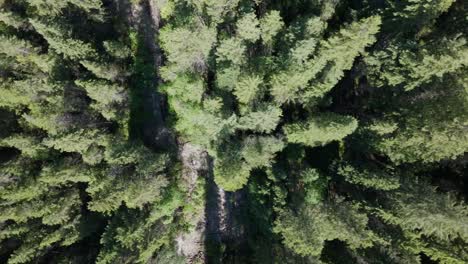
[335, 55]
[306, 131]
[321, 130]
[109, 99]
[307, 231]
[442, 115]
[414, 69]
[55, 8]
[61, 42]
[430, 225]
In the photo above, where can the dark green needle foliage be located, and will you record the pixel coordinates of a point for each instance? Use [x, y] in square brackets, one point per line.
[233, 131]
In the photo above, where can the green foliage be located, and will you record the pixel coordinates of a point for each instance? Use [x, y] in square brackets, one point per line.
[321, 130]
[268, 93]
[202, 127]
[134, 236]
[315, 186]
[66, 172]
[270, 26]
[120, 185]
[259, 152]
[420, 13]
[79, 141]
[64, 166]
[413, 69]
[247, 89]
[117, 49]
[11, 19]
[369, 177]
[306, 232]
[29, 146]
[248, 28]
[55, 8]
[432, 222]
[252, 153]
[60, 41]
[263, 120]
[231, 50]
[48, 117]
[111, 72]
[109, 99]
[24, 54]
[187, 49]
[230, 171]
[314, 77]
[186, 89]
[213, 10]
[441, 116]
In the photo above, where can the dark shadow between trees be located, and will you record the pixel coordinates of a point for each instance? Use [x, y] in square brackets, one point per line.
[148, 108]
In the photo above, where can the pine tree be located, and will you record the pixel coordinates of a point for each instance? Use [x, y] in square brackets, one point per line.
[431, 222]
[55, 8]
[335, 131]
[306, 232]
[248, 28]
[12, 20]
[29, 146]
[369, 177]
[441, 115]
[103, 70]
[414, 69]
[25, 54]
[187, 49]
[270, 26]
[321, 130]
[109, 99]
[60, 42]
[315, 186]
[415, 14]
[316, 76]
[264, 119]
[134, 236]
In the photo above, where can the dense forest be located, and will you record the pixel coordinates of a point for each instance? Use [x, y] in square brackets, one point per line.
[234, 131]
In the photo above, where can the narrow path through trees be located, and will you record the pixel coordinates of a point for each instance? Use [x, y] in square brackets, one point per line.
[148, 105]
[148, 123]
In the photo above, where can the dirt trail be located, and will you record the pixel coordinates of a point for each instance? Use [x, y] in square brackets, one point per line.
[203, 244]
[195, 164]
[145, 20]
[213, 225]
[219, 232]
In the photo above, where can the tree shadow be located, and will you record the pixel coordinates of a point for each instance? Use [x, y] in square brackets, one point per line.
[227, 225]
[212, 244]
[148, 107]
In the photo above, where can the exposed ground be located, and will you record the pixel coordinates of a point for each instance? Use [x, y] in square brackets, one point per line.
[215, 226]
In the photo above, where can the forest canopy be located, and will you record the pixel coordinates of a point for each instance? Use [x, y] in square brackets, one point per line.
[233, 131]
